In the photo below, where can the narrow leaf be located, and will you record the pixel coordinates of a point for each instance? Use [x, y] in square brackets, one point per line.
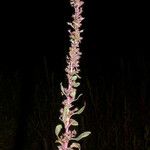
[78, 97]
[82, 135]
[58, 129]
[74, 122]
[62, 89]
[80, 110]
[70, 24]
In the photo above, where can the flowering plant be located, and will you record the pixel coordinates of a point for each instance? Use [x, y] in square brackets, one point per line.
[72, 73]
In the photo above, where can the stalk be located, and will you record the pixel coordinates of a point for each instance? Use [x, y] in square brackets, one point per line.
[65, 135]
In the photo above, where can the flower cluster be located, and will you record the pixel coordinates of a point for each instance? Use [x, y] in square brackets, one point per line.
[75, 39]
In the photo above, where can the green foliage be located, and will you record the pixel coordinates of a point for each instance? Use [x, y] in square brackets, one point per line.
[58, 129]
[82, 135]
[74, 122]
[76, 84]
[65, 113]
[74, 78]
[80, 110]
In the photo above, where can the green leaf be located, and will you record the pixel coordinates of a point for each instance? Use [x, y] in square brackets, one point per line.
[62, 89]
[58, 129]
[74, 122]
[74, 77]
[80, 110]
[65, 113]
[77, 97]
[81, 136]
[75, 145]
[76, 84]
[73, 94]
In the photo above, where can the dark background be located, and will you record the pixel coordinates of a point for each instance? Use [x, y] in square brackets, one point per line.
[115, 74]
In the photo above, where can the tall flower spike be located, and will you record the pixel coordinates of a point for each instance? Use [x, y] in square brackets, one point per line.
[72, 72]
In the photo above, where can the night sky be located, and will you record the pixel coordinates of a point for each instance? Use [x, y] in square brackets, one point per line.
[115, 73]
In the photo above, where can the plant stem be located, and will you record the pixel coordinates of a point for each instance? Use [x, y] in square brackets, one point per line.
[72, 73]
